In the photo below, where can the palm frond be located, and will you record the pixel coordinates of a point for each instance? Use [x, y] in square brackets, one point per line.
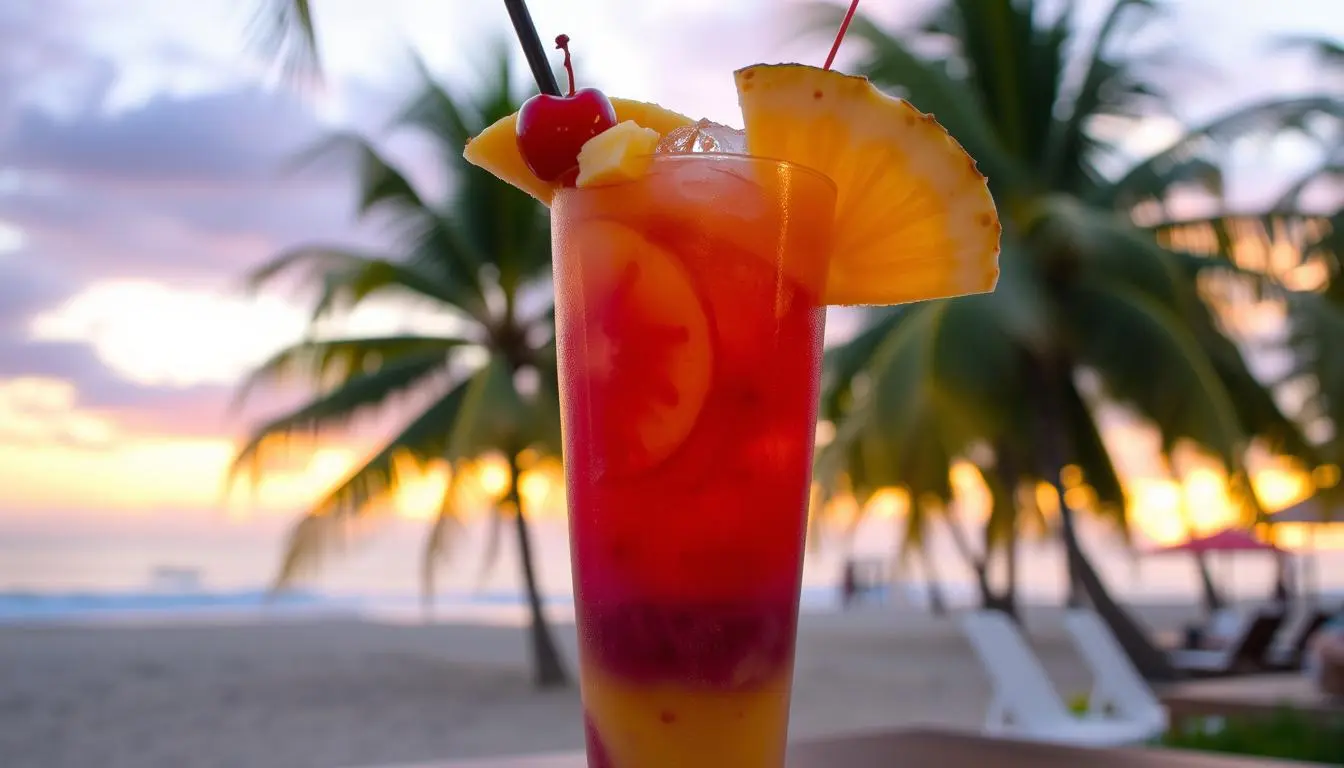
[1108, 87]
[1076, 240]
[334, 519]
[491, 221]
[437, 114]
[437, 543]
[1147, 359]
[337, 408]
[996, 38]
[903, 443]
[494, 539]
[1088, 451]
[929, 85]
[1150, 178]
[331, 361]
[382, 187]
[1241, 240]
[347, 277]
[1330, 51]
[976, 374]
[284, 32]
[844, 363]
[1316, 323]
[1021, 303]
[491, 414]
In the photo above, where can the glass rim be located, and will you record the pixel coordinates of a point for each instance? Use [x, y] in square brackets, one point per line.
[739, 157]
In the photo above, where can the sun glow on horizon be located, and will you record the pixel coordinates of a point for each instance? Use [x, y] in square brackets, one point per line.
[1162, 510]
[56, 456]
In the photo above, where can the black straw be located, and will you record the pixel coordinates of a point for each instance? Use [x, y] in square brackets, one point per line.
[532, 48]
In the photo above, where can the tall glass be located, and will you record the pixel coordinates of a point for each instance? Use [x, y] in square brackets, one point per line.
[689, 314]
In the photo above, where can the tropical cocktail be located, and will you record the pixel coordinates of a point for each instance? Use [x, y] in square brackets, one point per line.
[688, 306]
[693, 265]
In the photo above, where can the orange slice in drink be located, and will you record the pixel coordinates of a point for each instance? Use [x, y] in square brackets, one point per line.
[914, 218]
[633, 321]
[496, 148]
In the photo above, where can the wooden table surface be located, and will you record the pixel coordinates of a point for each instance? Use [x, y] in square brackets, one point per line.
[1250, 696]
[934, 749]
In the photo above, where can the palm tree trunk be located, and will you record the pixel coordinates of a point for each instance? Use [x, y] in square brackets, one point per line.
[1151, 662]
[1006, 467]
[1213, 599]
[548, 668]
[937, 602]
[1147, 657]
[979, 566]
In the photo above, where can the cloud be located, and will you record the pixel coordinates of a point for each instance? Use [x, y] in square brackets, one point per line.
[88, 384]
[25, 288]
[39, 54]
[35, 410]
[219, 139]
[109, 172]
[136, 227]
[189, 185]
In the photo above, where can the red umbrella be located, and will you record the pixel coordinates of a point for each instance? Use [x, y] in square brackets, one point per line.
[1226, 540]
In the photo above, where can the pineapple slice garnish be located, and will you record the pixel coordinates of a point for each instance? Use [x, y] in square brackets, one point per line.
[914, 217]
[496, 148]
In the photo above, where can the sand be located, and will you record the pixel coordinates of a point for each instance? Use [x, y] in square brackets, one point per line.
[343, 693]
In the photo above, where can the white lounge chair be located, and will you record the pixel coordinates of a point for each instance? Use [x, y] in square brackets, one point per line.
[1025, 703]
[1118, 690]
[1290, 645]
[1243, 650]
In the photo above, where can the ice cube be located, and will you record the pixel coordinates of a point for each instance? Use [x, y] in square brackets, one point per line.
[715, 196]
[704, 136]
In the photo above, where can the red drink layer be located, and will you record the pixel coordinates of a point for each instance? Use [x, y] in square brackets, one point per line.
[690, 326]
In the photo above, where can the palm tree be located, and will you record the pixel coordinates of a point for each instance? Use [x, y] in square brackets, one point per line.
[481, 256]
[284, 32]
[1090, 311]
[1316, 321]
[1314, 231]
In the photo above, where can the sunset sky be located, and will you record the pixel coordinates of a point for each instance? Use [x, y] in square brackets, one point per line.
[140, 154]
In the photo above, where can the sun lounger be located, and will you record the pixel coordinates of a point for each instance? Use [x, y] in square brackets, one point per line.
[1025, 704]
[1118, 690]
[1289, 654]
[1243, 652]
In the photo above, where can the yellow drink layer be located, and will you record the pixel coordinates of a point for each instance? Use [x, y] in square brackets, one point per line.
[668, 725]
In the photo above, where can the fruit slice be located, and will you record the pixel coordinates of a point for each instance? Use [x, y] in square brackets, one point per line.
[496, 148]
[620, 153]
[640, 342]
[914, 218]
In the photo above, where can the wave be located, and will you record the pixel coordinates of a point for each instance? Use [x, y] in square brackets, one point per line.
[485, 606]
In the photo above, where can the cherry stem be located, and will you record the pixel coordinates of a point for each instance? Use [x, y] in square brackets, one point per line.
[562, 42]
[844, 27]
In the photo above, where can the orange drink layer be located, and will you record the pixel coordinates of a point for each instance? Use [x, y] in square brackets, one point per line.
[690, 320]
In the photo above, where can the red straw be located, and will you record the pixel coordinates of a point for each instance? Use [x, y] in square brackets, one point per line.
[844, 27]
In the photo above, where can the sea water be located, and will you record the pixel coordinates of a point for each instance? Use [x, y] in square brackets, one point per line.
[224, 571]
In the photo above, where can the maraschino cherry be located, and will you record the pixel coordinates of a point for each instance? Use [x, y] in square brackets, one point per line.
[552, 129]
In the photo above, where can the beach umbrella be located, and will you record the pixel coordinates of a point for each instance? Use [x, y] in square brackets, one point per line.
[1226, 540]
[1311, 512]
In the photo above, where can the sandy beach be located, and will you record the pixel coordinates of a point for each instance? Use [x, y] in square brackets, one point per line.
[343, 693]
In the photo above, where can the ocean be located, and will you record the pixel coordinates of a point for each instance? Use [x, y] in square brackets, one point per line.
[156, 571]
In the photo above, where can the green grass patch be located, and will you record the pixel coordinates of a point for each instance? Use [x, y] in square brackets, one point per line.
[1286, 735]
